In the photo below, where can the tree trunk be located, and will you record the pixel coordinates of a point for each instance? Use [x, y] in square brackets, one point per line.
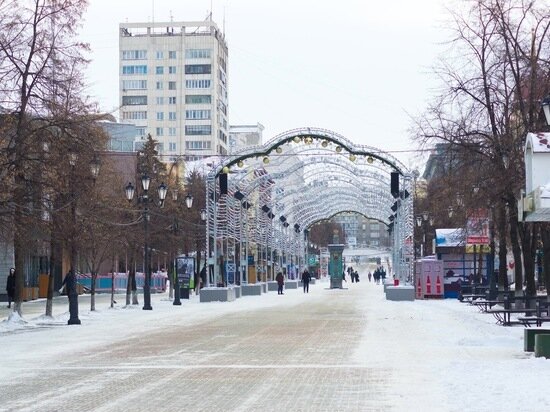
[92, 293]
[113, 282]
[502, 249]
[528, 243]
[171, 277]
[51, 279]
[545, 235]
[516, 249]
[132, 282]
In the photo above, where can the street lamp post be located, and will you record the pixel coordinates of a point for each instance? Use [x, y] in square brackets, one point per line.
[72, 293]
[177, 292]
[144, 199]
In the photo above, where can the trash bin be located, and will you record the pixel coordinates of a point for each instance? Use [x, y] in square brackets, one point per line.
[396, 282]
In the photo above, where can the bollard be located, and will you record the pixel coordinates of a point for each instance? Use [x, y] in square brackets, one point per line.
[542, 345]
[529, 338]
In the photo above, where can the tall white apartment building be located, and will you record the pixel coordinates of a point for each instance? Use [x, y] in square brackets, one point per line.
[173, 85]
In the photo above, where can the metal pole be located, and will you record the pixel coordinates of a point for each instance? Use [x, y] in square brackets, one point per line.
[73, 294]
[246, 245]
[147, 283]
[215, 237]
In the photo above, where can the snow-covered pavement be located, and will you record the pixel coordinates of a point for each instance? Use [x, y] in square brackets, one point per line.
[329, 350]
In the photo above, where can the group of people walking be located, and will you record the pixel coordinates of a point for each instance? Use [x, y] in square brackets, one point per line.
[379, 275]
[353, 274]
[306, 278]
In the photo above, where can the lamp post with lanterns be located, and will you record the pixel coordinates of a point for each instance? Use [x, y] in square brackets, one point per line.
[145, 200]
[72, 293]
[177, 292]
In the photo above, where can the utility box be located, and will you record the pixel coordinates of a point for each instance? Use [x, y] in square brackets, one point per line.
[336, 265]
[428, 279]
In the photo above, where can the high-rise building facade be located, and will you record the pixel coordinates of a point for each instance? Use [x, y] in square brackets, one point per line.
[243, 136]
[173, 85]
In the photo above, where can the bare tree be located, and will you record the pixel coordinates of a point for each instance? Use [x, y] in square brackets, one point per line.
[41, 92]
[494, 77]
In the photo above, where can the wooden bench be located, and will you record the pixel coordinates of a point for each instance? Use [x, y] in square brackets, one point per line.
[541, 315]
[503, 316]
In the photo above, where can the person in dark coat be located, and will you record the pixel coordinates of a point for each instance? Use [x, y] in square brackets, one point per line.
[70, 284]
[306, 277]
[10, 287]
[280, 283]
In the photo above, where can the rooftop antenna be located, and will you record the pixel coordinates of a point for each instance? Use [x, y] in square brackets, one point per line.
[211, 8]
[171, 16]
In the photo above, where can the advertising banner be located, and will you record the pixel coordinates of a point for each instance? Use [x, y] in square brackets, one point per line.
[185, 270]
[477, 227]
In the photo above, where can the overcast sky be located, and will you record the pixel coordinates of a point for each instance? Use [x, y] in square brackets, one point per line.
[358, 67]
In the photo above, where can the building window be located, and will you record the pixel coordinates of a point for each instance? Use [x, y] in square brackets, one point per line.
[172, 69]
[171, 85]
[197, 84]
[172, 100]
[171, 115]
[197, 53]
[159, 86]
[171, 131]
[197, 114]
[141, 115]
[197, 145]
[160, 115]
[134, 55]
[198, 130]
[160, 55]
[198, 68]
[133, 100]
[171, 147]
[160, 147]
[160, 100]
[171, 54]
[198, 99]
[160, 131]
[141, 69]
[140, 131]
[159, 70]
[134, 84]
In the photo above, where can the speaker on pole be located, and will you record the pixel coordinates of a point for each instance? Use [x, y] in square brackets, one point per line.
[223, 183]
[395, 184]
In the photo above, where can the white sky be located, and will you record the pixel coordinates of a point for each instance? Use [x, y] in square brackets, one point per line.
[357, 67]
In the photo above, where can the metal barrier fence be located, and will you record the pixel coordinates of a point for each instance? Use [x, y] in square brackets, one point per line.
[104, 282]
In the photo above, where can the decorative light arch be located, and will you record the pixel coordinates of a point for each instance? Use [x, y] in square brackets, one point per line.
[276, 190]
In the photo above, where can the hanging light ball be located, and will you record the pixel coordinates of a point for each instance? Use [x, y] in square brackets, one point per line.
[308, 140]
[297, 139]
[279, 150]
[338, 149]
[265, 160]
[225, 169]
[370, 160]
[240, 163]
[324, 143]
[352, 157]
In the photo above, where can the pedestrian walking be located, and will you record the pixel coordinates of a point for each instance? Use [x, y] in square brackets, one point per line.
[369, 276]
[10, 287]
[306, 277]
[280, 283]
[356, 275]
